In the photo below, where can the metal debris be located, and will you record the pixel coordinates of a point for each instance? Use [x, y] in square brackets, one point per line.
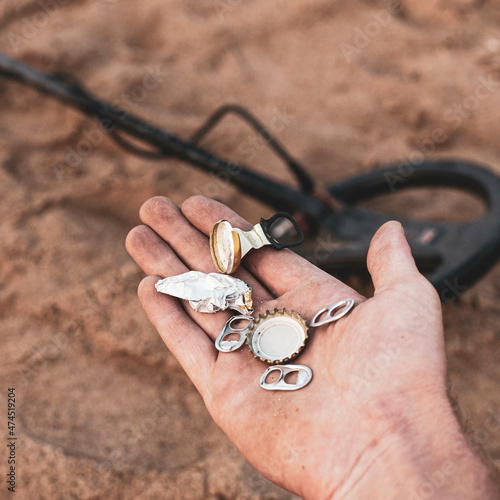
[304, 376]
[209, 293]
[277, 336]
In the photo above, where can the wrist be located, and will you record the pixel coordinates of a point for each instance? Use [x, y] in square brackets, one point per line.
[421, 453]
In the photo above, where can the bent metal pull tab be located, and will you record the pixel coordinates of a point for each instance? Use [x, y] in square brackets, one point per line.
[304, 376]
[332, 312]
[228, 329]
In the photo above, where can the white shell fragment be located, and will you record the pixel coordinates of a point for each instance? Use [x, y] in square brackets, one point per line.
[209, 293]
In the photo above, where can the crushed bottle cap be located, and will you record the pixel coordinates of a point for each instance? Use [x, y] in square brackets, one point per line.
[277, 336]
[229, 245]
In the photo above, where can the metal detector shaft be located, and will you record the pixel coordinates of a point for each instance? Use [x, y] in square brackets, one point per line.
[271, 192]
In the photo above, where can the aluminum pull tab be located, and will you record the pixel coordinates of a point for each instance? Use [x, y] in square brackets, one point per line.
[333, 312]
[304, 376]
[227, 330]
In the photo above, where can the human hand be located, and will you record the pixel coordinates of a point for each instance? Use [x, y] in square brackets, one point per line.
[375, 416]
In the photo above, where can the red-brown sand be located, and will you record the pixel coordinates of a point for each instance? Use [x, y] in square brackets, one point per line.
[103, 408]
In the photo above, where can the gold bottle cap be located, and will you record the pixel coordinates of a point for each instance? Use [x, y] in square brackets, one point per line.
[229, 245]
[277, 336]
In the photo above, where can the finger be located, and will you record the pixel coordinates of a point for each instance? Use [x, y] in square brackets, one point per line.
[278, 270]
[185, 340]
[389, 257]
[151, 253]
[155, 257]
[191, 246]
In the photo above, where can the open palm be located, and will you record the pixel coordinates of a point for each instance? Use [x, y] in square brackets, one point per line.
[380, 364]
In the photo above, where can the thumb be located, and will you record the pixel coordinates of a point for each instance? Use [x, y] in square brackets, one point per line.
[389, 257]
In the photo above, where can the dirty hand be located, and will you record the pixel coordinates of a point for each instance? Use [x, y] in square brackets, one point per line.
[375, 420]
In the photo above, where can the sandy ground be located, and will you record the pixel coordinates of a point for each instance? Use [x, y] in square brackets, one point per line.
[104, 410]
